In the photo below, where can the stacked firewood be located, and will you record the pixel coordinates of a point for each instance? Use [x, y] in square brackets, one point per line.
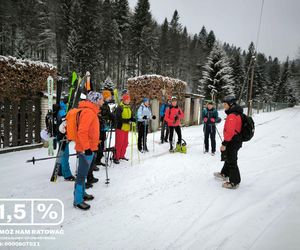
[153, 87]
[23, 78]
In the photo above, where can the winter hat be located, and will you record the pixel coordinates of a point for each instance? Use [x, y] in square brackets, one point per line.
[145, 99]
[210, 102]
[174, 98]
[94, 96]
[124, 91]
[229, 99]
[126, 97]
[106, 94]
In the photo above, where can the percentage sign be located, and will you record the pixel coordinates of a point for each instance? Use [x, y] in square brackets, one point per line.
[47, 211]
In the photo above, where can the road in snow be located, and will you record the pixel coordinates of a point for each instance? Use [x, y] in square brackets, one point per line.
[172, 201]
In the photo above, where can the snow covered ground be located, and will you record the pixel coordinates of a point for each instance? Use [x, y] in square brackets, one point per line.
[172, 201]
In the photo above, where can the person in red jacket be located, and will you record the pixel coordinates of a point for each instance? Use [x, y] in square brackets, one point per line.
[87, 140]
[172, 117]
[231, 144]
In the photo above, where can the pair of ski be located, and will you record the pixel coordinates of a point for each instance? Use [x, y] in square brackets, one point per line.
[77, 87]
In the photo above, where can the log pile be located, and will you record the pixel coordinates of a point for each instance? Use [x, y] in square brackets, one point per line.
[151, 86]
[23, 78]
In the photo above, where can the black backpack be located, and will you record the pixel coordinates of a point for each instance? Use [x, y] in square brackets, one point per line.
[248, 127]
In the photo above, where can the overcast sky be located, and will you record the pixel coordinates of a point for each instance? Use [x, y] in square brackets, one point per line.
[236, 21]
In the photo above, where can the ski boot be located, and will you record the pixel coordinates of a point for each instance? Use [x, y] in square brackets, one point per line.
[220, 176]
[88, 197]
[70, 178]
[82, 206]
[230, 185]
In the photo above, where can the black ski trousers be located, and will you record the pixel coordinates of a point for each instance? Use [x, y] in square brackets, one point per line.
[178, 132]
[210, 131]
[142, 136]
[230, 156]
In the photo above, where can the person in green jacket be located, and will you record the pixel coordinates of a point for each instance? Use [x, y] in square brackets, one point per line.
[210, 117]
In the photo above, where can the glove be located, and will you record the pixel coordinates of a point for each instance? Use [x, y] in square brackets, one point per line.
[145, 117]
[176, 117]
[205, 119]
[179, 112]
[132, 119]
[153, 117]
[63, 127]
[212, 119]
[88, 152]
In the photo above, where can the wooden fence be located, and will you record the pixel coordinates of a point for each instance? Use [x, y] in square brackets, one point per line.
[20, 122]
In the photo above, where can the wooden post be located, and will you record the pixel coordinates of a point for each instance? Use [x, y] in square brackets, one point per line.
[187, 111]
[22, 122]
[7, 113]
[196, 111]
[155, 111]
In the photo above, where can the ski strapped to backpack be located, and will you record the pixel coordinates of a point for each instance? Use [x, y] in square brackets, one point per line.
[248, 127]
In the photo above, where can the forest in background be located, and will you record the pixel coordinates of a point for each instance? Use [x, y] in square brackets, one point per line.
[109, 39]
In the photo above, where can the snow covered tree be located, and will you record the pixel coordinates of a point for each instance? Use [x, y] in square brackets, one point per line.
[108, 84]
[164, 49]
[217, 80]
[210, 40]
[236, 62]
[274, 75]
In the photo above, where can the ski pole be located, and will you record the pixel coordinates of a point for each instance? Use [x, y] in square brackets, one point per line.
[204, 130]
[33, 160]
[218, 133]
[131, 146]
[136, 140]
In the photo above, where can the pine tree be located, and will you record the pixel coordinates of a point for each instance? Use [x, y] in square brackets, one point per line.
[140, 21]
[274, 74]
[210, 40]
[108, 84]
[236, 62]
[217, 78]
[164, 50]
[175, 30]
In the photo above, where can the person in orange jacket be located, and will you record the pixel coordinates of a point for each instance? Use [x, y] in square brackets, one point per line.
[173, 116]
[87, 140]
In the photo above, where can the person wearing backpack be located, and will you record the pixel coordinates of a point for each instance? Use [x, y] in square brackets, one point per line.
[210, 117]
[123, 117]
[144, 115]
[164, 125]
[86, 143]
[231, 144]
[173, 116]
[64, 167]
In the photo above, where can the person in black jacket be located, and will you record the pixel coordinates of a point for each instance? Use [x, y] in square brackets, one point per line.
[124, 116]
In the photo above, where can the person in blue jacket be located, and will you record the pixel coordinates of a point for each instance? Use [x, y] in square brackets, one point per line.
[164, 135]
[210, 117]
[64, 157]
[144, 115]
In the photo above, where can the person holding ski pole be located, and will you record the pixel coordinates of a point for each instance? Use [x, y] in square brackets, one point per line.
[173, 116]
[86, 143]
[144, 115]
[164, 125]
[210, 117]
[106, 120]
[64, 167]
[124, 117]
[231, 144]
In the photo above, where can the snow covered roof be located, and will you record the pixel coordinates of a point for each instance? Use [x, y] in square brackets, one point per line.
[13, 61]
[138, 79]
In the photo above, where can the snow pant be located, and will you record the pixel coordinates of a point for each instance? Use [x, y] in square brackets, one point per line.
[210, 131]
[121, 143]
[101, 147]
[230, 156]
[164, 128]
[178, 132]
[83, 168]
[64, 160]
[142, 136]
[90, 175]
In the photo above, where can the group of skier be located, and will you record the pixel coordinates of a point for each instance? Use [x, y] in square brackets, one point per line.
[95, 121]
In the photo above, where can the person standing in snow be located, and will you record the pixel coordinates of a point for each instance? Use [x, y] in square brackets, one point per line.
[144, 115]
[123, 118]
[164, 125]
[173, 116]
[86, 144]
[210, 117]
[64, 167]
[106, 120]
[231, 144]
